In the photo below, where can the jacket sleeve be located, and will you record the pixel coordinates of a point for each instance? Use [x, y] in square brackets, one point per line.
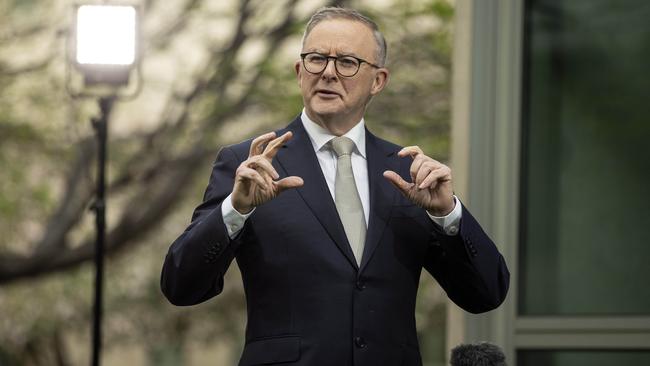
[469, 267]
[198, 259]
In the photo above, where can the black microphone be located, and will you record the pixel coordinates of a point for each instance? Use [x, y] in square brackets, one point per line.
[477, 354]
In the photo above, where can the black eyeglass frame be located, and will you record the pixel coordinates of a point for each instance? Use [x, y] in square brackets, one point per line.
[335, 58]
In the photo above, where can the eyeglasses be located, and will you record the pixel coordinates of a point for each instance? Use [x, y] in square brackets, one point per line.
[346, 66]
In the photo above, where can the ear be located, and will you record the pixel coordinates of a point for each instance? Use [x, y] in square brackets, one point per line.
[298, 68]
[380, 81]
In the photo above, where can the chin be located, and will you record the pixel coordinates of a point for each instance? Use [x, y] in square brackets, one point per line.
[326, 109]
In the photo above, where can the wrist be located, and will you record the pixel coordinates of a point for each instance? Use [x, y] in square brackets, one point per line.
[241, 209]
[443, 211]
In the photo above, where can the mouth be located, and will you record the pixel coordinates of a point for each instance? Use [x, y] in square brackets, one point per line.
[327, 94]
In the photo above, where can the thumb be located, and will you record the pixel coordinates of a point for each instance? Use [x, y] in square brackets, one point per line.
[289, 182]
[397, 181]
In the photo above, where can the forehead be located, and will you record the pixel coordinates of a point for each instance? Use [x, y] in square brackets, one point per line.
[341, 35]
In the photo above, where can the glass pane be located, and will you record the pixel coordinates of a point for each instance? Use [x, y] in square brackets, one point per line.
[582, 358]
[586, 158]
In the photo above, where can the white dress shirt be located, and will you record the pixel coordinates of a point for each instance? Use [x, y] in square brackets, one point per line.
[319, 138]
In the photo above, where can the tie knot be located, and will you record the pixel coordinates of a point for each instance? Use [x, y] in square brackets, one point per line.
[342, 146]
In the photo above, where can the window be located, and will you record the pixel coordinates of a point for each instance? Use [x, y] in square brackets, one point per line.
[586, 161]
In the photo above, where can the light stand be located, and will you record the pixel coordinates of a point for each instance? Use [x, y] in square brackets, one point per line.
[100, 124]
[104, 53]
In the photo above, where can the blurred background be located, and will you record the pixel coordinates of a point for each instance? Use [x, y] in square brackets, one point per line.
[547, 136]
[214, 73]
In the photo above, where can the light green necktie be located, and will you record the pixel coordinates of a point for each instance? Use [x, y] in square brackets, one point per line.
[348, 203]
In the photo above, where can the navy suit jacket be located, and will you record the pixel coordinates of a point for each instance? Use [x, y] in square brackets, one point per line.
[308, 303]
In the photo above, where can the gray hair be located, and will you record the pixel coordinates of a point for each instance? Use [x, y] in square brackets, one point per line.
[330, 12]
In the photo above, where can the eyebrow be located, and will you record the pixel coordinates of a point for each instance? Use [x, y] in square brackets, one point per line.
[343, 53]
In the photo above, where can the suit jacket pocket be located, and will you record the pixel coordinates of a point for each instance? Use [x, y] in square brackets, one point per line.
[271, 350]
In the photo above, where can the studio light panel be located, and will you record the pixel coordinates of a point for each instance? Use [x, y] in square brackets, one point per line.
[106, 35]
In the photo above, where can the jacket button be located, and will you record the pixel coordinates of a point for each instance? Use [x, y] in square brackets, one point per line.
[360, 342]
[360, 285]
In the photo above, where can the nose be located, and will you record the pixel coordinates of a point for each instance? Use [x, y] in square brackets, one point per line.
[330, 70]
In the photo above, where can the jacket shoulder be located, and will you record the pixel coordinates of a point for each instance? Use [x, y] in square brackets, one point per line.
[381, 144]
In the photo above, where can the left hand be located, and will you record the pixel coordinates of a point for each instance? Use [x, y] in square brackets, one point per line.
[431, 182]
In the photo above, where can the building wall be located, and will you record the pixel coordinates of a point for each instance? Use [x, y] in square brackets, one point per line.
[548, 130]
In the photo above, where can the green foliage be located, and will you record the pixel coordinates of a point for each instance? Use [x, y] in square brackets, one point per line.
[442, 9]
[414, 109]
[24, 5]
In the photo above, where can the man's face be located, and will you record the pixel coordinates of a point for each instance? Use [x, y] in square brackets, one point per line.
[329, 96]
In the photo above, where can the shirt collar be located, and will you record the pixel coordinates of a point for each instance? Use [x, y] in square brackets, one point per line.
[319, 136]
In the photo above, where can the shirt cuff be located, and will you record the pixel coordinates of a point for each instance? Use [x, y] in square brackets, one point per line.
[450, 223]
[232, 218]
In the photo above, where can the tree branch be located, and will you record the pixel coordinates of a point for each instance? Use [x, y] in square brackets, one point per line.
[137, 219]
[158, 177]
[77, 194]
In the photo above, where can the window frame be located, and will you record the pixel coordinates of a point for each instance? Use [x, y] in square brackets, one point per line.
[487, 130]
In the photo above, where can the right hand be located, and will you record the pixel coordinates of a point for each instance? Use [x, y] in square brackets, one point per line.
[255, 178]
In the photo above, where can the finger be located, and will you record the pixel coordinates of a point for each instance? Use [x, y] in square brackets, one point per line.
[275, 145]
[261, 162]
[410, 150]
[397, 181]
[422, 172]
[259, 142]
[416, 165]
[288, 182]
[267, 179]
[424, 166]
[249, 174]
[440, 175]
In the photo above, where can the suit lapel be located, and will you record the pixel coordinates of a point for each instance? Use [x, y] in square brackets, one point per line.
[298, 158]
[382, 193]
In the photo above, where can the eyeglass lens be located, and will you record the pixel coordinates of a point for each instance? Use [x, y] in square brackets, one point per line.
[345, 65]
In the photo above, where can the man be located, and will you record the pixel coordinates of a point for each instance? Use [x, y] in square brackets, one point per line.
[478, 354]
[330, 225]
